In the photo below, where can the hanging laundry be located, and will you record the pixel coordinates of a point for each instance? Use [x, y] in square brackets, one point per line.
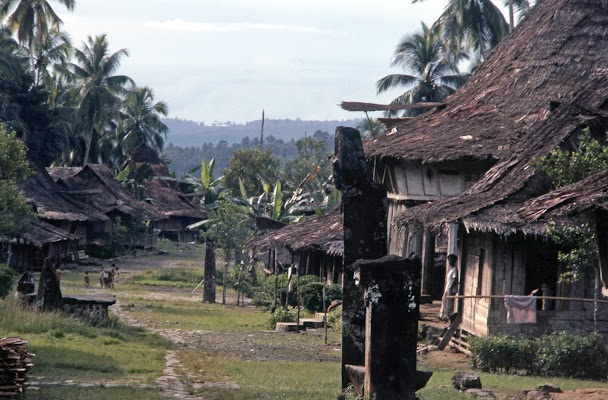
[521, 309]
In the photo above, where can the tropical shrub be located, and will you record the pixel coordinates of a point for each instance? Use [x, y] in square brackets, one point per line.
[558, 354]
[280, 315]
[6, 280]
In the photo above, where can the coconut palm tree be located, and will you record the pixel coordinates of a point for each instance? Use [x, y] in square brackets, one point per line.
[51, 55]
[12, 59]
[98, 90]
[141, 120]
[32, 20]
[434, 69]
[479, 24]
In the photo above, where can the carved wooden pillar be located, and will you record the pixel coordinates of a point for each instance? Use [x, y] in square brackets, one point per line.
[392, 292]
[363, 205]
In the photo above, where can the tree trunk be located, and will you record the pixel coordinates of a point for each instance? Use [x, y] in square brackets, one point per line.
[87, 152]
[209, 285]
[225, 280]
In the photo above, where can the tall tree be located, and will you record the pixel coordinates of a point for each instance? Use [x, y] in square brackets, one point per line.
[252, 167]
[50, 55]
[32, 20]
[478, 24]
[434, 69]
[99, 91]
[140, 121]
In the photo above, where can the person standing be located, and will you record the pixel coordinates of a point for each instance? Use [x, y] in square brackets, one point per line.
[102, 278]
[451, 289]
[87, 281]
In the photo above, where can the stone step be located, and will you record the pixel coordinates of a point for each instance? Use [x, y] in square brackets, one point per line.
[311, 323]
[287, 327]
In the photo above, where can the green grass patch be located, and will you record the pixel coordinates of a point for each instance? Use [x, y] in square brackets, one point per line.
[93, 393]
[175, 277]
[198, 315]
[264, 380]
[68, 348]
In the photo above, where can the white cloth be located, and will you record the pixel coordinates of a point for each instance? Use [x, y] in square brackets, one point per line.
[521, 309]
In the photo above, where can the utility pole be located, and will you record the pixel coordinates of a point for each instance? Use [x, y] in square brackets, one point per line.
[262, 133]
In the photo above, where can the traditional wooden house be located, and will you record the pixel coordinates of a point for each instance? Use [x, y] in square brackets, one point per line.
[95, 186]
[44, 240]
[535, 92]
[56, 207]
[163, 193]
[316, 244]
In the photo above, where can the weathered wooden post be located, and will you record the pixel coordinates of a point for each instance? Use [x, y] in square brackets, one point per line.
[209, 272]
[392, 293]
[363, 206]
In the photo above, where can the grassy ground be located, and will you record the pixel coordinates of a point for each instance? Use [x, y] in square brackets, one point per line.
[226, 352]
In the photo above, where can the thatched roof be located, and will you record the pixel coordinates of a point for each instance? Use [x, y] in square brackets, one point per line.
[144, 155]
[589, 193]
[547, 61]
[487, 205]
[317, 233]
[95, 185]
[51, 204]
[170, 202]
[43, 233]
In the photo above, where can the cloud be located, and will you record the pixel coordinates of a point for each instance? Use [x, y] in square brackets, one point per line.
[178, 24]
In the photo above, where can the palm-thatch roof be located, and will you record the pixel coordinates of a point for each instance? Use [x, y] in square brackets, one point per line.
[317, 233]
[43, 233]
[487, 205]
[546, 62]
[51, 203]
[170, 202]
[95, 185]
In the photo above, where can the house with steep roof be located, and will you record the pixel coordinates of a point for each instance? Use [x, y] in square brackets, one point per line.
[465, 168]
[177, 210]
[316, 244]
[96, 186]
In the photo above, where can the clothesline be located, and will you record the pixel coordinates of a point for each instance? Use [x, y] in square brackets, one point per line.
[502, 296]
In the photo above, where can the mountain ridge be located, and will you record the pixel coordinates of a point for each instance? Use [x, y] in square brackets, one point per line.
[186, 133]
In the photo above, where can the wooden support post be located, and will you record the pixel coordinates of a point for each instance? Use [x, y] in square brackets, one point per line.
[428, 261]
[276, 279]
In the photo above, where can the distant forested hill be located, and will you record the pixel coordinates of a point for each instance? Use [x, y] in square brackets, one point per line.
[183, 159]
[189, 142]
[185, 133]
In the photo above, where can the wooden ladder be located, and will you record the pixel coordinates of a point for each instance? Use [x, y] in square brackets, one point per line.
[446, 334]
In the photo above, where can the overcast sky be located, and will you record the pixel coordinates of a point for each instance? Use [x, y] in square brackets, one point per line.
[226, 60]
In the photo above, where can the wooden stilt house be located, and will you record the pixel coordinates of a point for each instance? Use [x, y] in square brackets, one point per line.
[162, 191]
[315, 243]
[53, 206]
[538, 88]
[95, 186]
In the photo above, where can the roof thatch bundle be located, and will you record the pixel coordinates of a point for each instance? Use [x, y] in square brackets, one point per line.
[317, 233]
[547, 61]
[95, 185]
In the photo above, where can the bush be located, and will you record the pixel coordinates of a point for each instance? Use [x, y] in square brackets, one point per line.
[311, 295]
[502, 353]
[279, 315]
[558, 354]
[6, 280]
[564, 354]
[334, 319]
